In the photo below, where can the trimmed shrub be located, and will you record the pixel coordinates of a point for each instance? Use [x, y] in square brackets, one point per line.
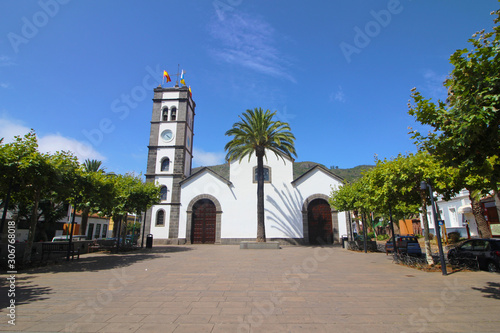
[382, 237]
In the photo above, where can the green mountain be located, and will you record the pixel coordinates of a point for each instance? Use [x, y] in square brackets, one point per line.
[299, 168]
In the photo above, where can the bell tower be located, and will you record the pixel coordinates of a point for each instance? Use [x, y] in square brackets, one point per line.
[169, 158]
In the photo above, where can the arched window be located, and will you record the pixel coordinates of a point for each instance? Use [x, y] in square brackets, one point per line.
[163, 193]
[165, 114]
[165, 164]
[173, 113]
[160, 217]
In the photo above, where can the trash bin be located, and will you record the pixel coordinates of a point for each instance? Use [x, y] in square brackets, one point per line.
[149, 241]
[344, 239]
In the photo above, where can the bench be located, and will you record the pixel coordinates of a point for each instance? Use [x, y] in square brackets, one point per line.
[95, 246]
[60, 247]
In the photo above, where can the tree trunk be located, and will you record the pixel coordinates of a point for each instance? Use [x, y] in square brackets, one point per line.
[497, 203]
[482, 224]
[85, 219]
[261, 227]
[425, 222]
[32, 228]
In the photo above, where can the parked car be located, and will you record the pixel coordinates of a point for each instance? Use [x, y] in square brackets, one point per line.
[481, 253]
[404, 245]
[65, 238]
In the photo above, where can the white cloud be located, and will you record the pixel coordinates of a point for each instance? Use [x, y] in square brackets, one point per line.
[56, 142]
[48, 143]
[249, 42]
[10, 128]
[203, 158]
[4, 85]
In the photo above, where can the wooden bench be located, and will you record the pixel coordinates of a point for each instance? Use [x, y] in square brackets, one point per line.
[60, 247]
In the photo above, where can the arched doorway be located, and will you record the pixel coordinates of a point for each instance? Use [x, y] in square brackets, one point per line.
[319, 217]
[203, 222]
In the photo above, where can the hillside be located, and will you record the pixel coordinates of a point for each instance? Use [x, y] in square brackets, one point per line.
[299, 168]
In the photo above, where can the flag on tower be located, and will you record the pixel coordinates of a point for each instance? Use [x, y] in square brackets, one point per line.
[165, 74]
[182, 78]
[190, 92]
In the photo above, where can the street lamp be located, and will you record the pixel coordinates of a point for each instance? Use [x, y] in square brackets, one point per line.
[423, 186]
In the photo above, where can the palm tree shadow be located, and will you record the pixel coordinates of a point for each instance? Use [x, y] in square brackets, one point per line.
[492, 290]
[22, 292]
[288, 212]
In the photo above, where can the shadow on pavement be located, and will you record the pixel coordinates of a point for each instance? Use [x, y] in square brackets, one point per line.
[492, 290]
[104, 260]
[26, 292]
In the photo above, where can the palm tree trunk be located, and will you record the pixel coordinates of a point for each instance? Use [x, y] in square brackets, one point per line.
[482, 224]
[261, 227]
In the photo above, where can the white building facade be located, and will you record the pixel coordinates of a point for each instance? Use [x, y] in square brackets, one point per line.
[456, 214]
[205, 207]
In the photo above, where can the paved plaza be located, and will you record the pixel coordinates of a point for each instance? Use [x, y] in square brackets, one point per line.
[220, 288]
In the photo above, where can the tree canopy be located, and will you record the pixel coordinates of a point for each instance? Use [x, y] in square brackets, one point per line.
[39, 183]
[466, 127]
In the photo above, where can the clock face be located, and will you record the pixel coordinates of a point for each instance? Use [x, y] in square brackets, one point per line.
[167, 135]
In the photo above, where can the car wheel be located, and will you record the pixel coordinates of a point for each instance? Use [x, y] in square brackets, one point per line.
[492, 267]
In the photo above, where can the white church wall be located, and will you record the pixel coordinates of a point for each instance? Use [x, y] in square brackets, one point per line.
[320, 182]
[164, 181]
[170, 95]
[160, 232]
[163, 153]
[205, 183]
[281, 221]
[283, 201]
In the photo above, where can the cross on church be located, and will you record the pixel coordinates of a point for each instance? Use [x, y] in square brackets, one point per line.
[177, 75]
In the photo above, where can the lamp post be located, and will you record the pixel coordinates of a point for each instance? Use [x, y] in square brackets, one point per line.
[423, 186]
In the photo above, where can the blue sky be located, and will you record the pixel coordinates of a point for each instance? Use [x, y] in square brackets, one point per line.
[81, 73]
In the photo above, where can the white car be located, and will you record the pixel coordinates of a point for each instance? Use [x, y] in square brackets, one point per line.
[65, 238]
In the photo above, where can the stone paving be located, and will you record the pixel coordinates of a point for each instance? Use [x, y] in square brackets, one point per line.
[214, 288]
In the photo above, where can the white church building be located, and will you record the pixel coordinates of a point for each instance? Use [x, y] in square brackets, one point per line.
[204, 207]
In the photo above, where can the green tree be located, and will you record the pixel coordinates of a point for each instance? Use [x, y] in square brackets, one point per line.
[256, 133]
[90, 196]
[466, 127]
[130, 195]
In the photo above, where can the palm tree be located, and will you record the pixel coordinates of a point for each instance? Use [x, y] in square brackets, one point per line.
[92, 166]
[256, 133]
[89, 166]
